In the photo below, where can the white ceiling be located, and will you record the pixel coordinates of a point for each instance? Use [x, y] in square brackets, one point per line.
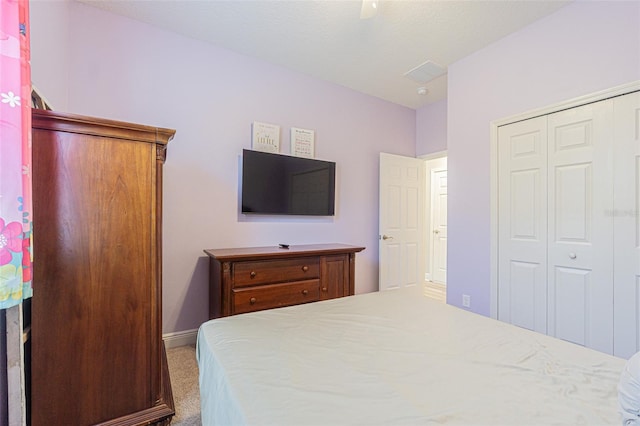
[328, 40]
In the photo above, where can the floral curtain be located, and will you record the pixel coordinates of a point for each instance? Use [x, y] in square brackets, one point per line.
[15, 154]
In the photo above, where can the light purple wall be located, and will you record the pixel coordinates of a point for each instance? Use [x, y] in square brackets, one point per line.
[431, 128]
[583, 48]
[126, 70]
[50, 50]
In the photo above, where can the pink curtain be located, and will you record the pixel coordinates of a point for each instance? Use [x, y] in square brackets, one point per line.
[15, 153]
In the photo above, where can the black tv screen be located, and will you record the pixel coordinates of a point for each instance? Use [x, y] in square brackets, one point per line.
[284, 185]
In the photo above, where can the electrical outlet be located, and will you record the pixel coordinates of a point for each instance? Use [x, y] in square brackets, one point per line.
[466, 300]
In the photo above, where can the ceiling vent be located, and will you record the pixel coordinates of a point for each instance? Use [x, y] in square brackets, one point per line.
[425, 72]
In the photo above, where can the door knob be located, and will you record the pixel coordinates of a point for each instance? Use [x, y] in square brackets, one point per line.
[386, 237]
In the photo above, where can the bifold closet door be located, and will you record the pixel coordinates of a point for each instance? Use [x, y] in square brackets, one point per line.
[555, 260]
[522, 206]
[580, 231]
[626, 216]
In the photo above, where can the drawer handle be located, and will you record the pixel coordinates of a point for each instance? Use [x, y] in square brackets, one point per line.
[252, 300]
[305, 268]
[252, 274]
[324, 289]
[305, 291]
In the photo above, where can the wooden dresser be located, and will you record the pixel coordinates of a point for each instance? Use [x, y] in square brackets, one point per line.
[97, 350]
[255, 278]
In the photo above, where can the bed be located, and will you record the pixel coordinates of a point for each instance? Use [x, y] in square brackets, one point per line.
[396, 358]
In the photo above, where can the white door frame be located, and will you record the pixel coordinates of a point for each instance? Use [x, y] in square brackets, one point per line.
[594, 97]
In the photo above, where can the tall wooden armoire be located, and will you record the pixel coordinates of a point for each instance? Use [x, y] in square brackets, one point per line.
[97, 350]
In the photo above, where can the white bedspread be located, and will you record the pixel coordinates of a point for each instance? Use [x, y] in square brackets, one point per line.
[396, 358]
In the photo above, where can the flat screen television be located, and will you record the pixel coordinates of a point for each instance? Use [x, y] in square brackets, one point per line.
[279, 184]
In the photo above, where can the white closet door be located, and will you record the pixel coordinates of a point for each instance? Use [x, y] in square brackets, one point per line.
[580, 230]
[522, 224]
[626, 216]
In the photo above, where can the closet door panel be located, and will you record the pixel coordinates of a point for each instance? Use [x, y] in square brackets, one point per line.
[573, 198]
[626, 215]
[580, 274]
[569, 303]
[524, 283]
[522, 294]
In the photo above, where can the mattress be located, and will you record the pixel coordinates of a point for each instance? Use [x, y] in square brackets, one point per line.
[396, 358]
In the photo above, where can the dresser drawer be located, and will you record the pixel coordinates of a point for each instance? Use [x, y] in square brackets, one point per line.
[273, 271]
[275, 295]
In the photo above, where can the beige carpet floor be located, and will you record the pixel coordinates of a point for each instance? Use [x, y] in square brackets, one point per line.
[183, 370]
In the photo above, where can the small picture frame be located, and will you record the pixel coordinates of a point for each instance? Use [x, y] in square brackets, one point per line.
[265, 137]
[302, 142]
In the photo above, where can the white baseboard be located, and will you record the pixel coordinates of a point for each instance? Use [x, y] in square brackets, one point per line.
[180, 338]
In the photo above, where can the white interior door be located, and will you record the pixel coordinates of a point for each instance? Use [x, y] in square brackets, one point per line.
[439, 225]
[401, 213]
[580, 272]
[626, 217]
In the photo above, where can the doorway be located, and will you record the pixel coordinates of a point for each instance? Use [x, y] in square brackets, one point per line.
[436, 226]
